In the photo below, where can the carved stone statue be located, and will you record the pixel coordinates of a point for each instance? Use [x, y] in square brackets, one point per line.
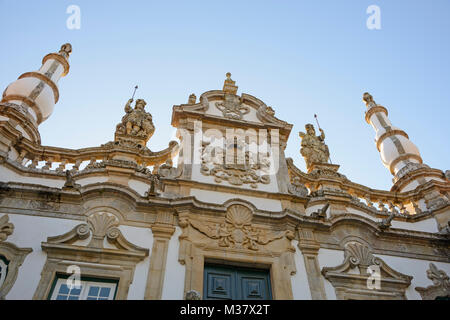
[314, 149]
[70, 182]
[136, 122]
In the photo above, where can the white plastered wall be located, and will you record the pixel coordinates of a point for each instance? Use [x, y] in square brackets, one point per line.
[29, 232]
[329, 258]
[175, 272]
[416, 268]
[299, 281]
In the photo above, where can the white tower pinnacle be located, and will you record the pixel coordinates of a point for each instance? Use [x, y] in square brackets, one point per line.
[37, 91]
[397, 152]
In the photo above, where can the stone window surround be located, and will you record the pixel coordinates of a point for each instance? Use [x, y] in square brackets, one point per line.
[94, 260]
[55, 267]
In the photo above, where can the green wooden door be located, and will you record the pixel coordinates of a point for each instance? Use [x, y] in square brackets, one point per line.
[235, 283]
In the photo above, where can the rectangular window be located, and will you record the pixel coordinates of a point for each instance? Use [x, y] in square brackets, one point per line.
[89, 289]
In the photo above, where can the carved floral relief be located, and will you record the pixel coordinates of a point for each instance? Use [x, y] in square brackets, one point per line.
[237, 230]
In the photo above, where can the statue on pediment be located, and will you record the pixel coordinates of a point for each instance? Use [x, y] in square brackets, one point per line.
[136, 122]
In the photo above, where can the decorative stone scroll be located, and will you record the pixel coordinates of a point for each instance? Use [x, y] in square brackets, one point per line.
[440, 289]
[6, 228]
[12, 255]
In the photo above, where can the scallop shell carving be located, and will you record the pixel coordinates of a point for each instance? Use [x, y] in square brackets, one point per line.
[101, 222]
[239, 215]
[359, 255]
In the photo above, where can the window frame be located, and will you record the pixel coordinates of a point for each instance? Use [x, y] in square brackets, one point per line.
[87, 283]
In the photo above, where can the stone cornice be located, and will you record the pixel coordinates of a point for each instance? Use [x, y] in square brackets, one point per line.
[146, 213]
[191, 203]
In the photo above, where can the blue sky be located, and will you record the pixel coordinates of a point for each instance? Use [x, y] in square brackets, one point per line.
[300, 57]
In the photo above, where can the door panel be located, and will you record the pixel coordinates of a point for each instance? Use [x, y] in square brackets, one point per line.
[219, 285]
[236, 283]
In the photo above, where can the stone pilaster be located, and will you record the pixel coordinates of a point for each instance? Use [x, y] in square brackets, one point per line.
[310, 249]
[162, 230]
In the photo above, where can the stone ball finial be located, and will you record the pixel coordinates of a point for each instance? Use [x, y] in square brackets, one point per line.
[66, 50]
[367, 98]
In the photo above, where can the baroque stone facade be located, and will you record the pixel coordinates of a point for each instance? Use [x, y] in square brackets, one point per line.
[127, 222]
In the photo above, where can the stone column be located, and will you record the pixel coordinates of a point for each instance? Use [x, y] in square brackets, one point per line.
[310, 248]
[162, 230]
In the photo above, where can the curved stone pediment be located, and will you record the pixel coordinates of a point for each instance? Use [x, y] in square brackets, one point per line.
[363, 276]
